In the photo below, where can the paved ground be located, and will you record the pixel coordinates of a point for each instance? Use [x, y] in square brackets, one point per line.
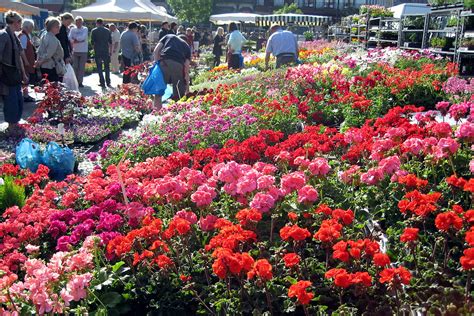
[91, 87]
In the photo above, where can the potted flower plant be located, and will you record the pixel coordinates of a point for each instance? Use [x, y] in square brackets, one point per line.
[438, 43]
[467, 44]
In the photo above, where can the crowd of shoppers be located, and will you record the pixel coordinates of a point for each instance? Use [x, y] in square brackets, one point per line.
[65, 40]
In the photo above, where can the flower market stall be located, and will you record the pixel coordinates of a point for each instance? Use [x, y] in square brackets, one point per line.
[342, 185]
[234, 17]
[125, 10]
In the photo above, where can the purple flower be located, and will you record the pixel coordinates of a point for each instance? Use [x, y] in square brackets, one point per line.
[57, 228]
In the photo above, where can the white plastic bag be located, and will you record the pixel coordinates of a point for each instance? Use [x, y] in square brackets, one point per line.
[70, 79]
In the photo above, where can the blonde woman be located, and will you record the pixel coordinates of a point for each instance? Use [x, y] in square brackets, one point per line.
[218, 42]
[50, 52]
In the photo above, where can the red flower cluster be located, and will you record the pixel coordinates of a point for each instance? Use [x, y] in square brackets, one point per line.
[344, 251]
[149, 232]
[331, 229]
[395, 276]
[227, 261]
[456, 182]
[411, 181]
[467, 261]
[262, 269]
[419, 203]
[178, 226]
[291, 260]
[248, 216]
[299, 290]
[445, 221]
[410, 234]
[344, 279]
[294, 232]
[230, 236]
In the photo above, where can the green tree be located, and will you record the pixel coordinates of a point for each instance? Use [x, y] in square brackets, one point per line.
[192, 11]
[77, 4]
[292, 8]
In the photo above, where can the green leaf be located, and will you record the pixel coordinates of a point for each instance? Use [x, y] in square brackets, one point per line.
[117, 266]
[111, 299]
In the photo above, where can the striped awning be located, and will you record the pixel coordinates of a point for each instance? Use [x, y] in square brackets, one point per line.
[292, 19]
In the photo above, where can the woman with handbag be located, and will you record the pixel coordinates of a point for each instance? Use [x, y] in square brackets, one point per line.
[12, 71]
[50, 53]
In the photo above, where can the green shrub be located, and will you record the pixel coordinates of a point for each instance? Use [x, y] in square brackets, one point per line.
[11, 194]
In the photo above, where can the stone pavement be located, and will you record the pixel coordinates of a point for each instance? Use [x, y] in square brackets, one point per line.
[91, 87]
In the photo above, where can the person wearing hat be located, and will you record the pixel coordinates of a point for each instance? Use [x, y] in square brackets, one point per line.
[283, 45]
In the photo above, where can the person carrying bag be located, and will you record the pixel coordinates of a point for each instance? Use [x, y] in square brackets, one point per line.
[50, 53]
[12, 72]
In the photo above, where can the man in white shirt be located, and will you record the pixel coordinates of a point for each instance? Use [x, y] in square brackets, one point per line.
[234, 44]
[283, 45]
[79, 40]
[114, 58]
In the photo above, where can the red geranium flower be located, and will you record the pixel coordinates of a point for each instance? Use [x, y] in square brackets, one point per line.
[298, 290]
[295, 232]
[447, 220]
[340, 276]
[261, 268]
[456, 182]
[409, 234]
[395, 276]
[291, 259]
[163, 261]
[247, 216]
[381, 259]
[412, 181]
[467, 261]
[419, 203]
[329, 231]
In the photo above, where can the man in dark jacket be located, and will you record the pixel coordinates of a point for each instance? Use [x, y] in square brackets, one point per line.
[165, 30]
[101, 40]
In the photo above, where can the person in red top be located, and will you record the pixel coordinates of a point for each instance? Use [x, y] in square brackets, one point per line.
[28, 56]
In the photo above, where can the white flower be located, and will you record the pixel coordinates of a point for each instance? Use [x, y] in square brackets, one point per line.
[2, 182]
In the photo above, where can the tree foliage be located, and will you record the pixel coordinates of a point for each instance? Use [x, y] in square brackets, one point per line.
[192, 11]
[77, 4]
[292, 8]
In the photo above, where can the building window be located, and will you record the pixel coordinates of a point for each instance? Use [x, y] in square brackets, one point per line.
[329, 3]
[349, 4]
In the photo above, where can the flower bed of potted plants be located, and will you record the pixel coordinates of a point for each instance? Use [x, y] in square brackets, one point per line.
[265, 210]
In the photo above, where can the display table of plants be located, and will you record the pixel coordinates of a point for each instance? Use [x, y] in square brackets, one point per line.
[340, 185]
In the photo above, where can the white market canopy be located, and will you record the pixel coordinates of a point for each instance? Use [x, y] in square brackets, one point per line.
[292, 19]
[124, 10]
[410, 9]
[20, 7]
[234, 17]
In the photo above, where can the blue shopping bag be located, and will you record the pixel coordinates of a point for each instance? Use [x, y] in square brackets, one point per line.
[154, 84]
[28, 155]
[59, 160]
